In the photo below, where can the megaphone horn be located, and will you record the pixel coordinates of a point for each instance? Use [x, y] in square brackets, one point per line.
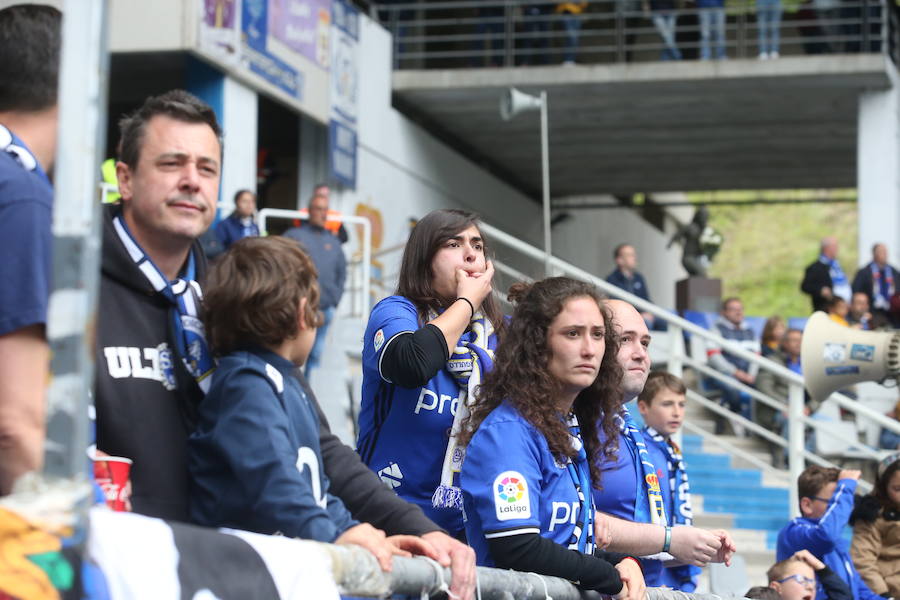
[513, 101]
[834, 357]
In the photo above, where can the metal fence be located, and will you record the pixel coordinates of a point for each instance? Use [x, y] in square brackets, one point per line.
[494, 33]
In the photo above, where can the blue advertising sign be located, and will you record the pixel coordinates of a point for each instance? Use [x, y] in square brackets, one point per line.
[344, 92]
[254, 24]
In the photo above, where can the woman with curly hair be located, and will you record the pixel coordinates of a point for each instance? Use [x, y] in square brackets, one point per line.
[876, 531]
[424, 351]
[529, 467]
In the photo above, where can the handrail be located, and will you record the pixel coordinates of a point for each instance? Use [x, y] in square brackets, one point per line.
[742, 420]
[732, 449]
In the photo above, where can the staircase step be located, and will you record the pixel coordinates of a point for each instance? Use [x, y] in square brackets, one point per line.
[737, 477]
[746, 521]
[709, 520]
[725, 489]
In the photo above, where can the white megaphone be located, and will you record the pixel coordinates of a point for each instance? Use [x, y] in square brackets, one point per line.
[834, 357]
[512, 102]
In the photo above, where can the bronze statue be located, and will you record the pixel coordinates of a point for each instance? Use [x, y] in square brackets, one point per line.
[699, 242]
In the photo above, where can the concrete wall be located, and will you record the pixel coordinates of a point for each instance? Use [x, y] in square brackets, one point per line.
[139, 26]
[239, 124]
[589, 238]
[878, 171]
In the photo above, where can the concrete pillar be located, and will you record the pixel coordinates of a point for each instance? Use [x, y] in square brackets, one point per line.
[313, 167]
[878, 170]
[239, 124]
[236, 108]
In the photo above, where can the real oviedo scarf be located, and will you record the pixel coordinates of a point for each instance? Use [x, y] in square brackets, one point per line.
[470, 360]
[678, 479]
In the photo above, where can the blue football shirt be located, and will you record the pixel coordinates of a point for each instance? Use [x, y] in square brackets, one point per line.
[404, 432]
[619, 478]
[26, 207]
[513, 485]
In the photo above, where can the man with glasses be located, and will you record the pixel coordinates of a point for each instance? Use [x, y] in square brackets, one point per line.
[826, 501]
[795, 578]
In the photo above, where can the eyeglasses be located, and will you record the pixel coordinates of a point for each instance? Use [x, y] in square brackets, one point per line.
[825, 500]
[804, 581]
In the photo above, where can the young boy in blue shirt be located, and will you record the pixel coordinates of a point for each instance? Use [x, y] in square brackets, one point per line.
[826, 501]
[662, 406]
[254, 458]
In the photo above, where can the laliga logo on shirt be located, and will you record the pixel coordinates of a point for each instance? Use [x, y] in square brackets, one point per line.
[653, 482]
[511, 496]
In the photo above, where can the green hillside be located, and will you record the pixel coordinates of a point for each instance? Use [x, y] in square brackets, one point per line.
[766, 248]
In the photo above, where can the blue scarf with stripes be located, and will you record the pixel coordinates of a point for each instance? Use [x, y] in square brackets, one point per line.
[185, 296]
[653, 510]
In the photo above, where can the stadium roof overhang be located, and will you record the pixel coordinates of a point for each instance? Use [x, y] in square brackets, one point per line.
[620, 129]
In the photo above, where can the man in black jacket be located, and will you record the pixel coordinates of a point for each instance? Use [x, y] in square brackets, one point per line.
[152, 360]
[877, 280]
[824, 278]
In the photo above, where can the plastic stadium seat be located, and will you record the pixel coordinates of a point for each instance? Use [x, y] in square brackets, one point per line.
[756, 324]
[797, 323]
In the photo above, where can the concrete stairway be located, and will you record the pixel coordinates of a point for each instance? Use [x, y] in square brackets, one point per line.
[729, 493]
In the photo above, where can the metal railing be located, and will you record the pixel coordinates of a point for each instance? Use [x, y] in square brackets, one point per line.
[678, 358]
[482, 33]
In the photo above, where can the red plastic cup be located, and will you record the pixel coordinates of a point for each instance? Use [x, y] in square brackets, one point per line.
[111, 474]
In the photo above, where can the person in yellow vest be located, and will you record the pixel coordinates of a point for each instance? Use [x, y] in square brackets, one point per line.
[572, 24]
[108, 173]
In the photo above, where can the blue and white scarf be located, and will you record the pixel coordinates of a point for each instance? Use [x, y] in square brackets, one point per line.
[882, 286]
[652, 511]
[840, 285]
[678, 479]
[471, 359]
[582, 538]
[185, 296]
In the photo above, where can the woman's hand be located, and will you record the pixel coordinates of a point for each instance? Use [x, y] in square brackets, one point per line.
[633, 586]
[474, 287]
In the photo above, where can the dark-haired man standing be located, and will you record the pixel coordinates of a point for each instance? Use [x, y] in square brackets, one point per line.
[29, 47]
[627, 277]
